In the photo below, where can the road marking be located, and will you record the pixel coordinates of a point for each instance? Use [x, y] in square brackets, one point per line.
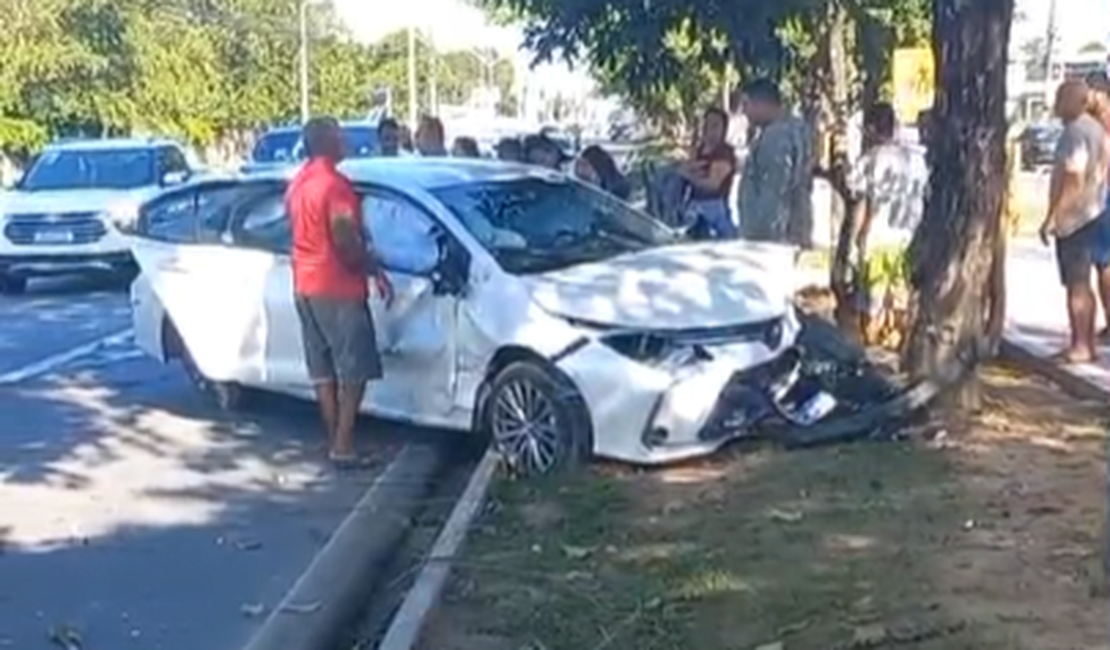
[54, 361]
[407, 624]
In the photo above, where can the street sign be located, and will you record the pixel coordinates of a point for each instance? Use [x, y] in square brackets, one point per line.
[914, 84]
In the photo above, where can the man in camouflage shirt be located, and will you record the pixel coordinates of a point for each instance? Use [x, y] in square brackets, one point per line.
[775, 200]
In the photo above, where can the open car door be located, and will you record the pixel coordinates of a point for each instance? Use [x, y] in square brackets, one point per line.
[212, 292]
[417, 331]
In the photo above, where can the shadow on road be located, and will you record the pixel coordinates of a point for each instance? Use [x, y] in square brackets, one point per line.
[143, 518]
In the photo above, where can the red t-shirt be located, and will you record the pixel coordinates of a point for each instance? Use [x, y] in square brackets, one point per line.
[317, 194]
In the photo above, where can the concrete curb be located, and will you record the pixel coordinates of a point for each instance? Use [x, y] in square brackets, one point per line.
[409, 621]
[1085, 382]
[340, 578]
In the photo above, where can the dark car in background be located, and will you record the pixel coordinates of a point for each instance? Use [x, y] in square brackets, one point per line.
[281, 146]
[1038, 145]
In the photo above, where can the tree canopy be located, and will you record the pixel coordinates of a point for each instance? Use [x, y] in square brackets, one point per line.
[197, 68]
[666, 54]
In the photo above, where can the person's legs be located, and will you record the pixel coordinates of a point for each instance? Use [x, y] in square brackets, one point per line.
[1074, 259]
[320, 364]
[350, 329]
[1102, 265]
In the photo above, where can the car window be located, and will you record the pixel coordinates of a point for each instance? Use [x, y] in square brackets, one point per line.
[198, 216]
[263, 223]
[78, 169]
[276, 146]
[402, 235]
[172, 160]
[534, 225]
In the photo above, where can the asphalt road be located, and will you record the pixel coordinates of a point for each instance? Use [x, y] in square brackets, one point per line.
[134, 512]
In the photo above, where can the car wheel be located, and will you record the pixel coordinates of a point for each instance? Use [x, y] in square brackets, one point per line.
[536, 419]
[227, 395]
[13, 285]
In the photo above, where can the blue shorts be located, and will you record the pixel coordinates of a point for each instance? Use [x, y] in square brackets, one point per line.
[1101, 245]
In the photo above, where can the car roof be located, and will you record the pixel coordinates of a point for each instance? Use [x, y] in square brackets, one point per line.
[297, 128]
[110, 144]
[425, 173]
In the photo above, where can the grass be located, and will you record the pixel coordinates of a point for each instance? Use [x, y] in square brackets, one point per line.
[985, 537]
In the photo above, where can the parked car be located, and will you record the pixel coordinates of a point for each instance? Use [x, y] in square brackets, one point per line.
[281, 146]
[530, 307]
[60, 216]
[1038, 145]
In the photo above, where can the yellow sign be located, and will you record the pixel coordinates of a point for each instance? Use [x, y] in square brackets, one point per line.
[913, 82]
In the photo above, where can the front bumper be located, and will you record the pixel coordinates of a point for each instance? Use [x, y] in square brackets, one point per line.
[47, 265]
[655, 416]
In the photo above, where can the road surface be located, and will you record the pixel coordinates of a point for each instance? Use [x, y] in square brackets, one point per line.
[134, 513]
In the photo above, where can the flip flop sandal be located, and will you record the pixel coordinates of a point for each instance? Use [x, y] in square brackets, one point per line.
[349, 461]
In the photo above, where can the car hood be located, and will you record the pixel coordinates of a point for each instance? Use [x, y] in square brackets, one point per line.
[66, 201]
[674, 287]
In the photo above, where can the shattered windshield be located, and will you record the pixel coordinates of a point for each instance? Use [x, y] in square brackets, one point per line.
[535, 225]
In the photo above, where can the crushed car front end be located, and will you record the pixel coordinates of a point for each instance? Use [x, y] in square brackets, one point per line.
[659, 396]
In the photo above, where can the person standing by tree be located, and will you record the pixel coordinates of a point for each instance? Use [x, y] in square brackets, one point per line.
[1077, 197]
[709, 174]
[775, 201]
[891, 179]
[331, 262]
[1100, 110]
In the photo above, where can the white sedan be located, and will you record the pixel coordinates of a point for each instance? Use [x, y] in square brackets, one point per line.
[528, 307]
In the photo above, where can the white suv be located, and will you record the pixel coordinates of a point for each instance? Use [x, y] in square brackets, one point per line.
[60, 217]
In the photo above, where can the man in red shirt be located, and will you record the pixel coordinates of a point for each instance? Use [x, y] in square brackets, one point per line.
[332, 264]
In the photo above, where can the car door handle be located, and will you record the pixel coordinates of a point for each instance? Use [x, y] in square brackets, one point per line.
[171, 267]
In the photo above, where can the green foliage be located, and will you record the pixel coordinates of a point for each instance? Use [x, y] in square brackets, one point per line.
[666, 55]
[196, 69]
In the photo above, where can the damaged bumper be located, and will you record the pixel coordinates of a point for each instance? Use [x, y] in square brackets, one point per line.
[687, 404]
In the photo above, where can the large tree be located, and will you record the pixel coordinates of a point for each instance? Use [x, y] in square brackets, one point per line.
[952, 253]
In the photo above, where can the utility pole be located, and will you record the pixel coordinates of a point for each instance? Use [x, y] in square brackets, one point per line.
[1050, 38]
[433, 71]
[304, 60]
[412, 77]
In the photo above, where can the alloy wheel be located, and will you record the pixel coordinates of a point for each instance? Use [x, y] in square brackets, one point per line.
[525, 428]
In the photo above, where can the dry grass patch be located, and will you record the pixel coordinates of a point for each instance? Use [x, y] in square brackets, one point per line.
[987, 536]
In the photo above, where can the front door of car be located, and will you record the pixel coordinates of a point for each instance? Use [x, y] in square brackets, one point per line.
[417, 331]
[210, 292]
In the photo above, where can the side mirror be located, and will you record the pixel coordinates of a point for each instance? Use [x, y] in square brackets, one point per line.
[170, 179]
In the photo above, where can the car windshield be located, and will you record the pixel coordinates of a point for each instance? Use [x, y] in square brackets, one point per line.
[115, 169]
[360, 141]
[536, 225]
[276, 146]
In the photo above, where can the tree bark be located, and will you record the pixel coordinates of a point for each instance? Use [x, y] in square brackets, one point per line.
[951, 255]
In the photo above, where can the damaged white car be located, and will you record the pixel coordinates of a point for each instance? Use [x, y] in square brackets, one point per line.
[528, 307]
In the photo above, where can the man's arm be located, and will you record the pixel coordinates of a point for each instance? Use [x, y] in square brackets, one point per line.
[346, 234]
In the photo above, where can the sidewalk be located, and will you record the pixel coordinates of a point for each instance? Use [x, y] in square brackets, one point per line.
[1036, 317]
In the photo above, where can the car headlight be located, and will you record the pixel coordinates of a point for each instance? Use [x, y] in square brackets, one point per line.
[654, 349]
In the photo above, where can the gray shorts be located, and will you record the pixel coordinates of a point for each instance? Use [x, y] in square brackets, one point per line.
[339, 340]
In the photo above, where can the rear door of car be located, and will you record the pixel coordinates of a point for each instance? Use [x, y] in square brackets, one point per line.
[210, 290]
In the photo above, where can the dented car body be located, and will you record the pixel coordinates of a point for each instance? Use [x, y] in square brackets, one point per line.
[528, 307]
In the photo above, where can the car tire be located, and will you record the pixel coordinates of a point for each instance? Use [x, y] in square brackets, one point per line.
[535, 419]
[13, 285]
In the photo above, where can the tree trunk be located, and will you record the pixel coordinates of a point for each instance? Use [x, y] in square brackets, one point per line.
[952, 251]
[836, 77]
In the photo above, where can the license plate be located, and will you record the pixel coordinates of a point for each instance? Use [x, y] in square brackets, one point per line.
[816, 408]
[53, 237]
